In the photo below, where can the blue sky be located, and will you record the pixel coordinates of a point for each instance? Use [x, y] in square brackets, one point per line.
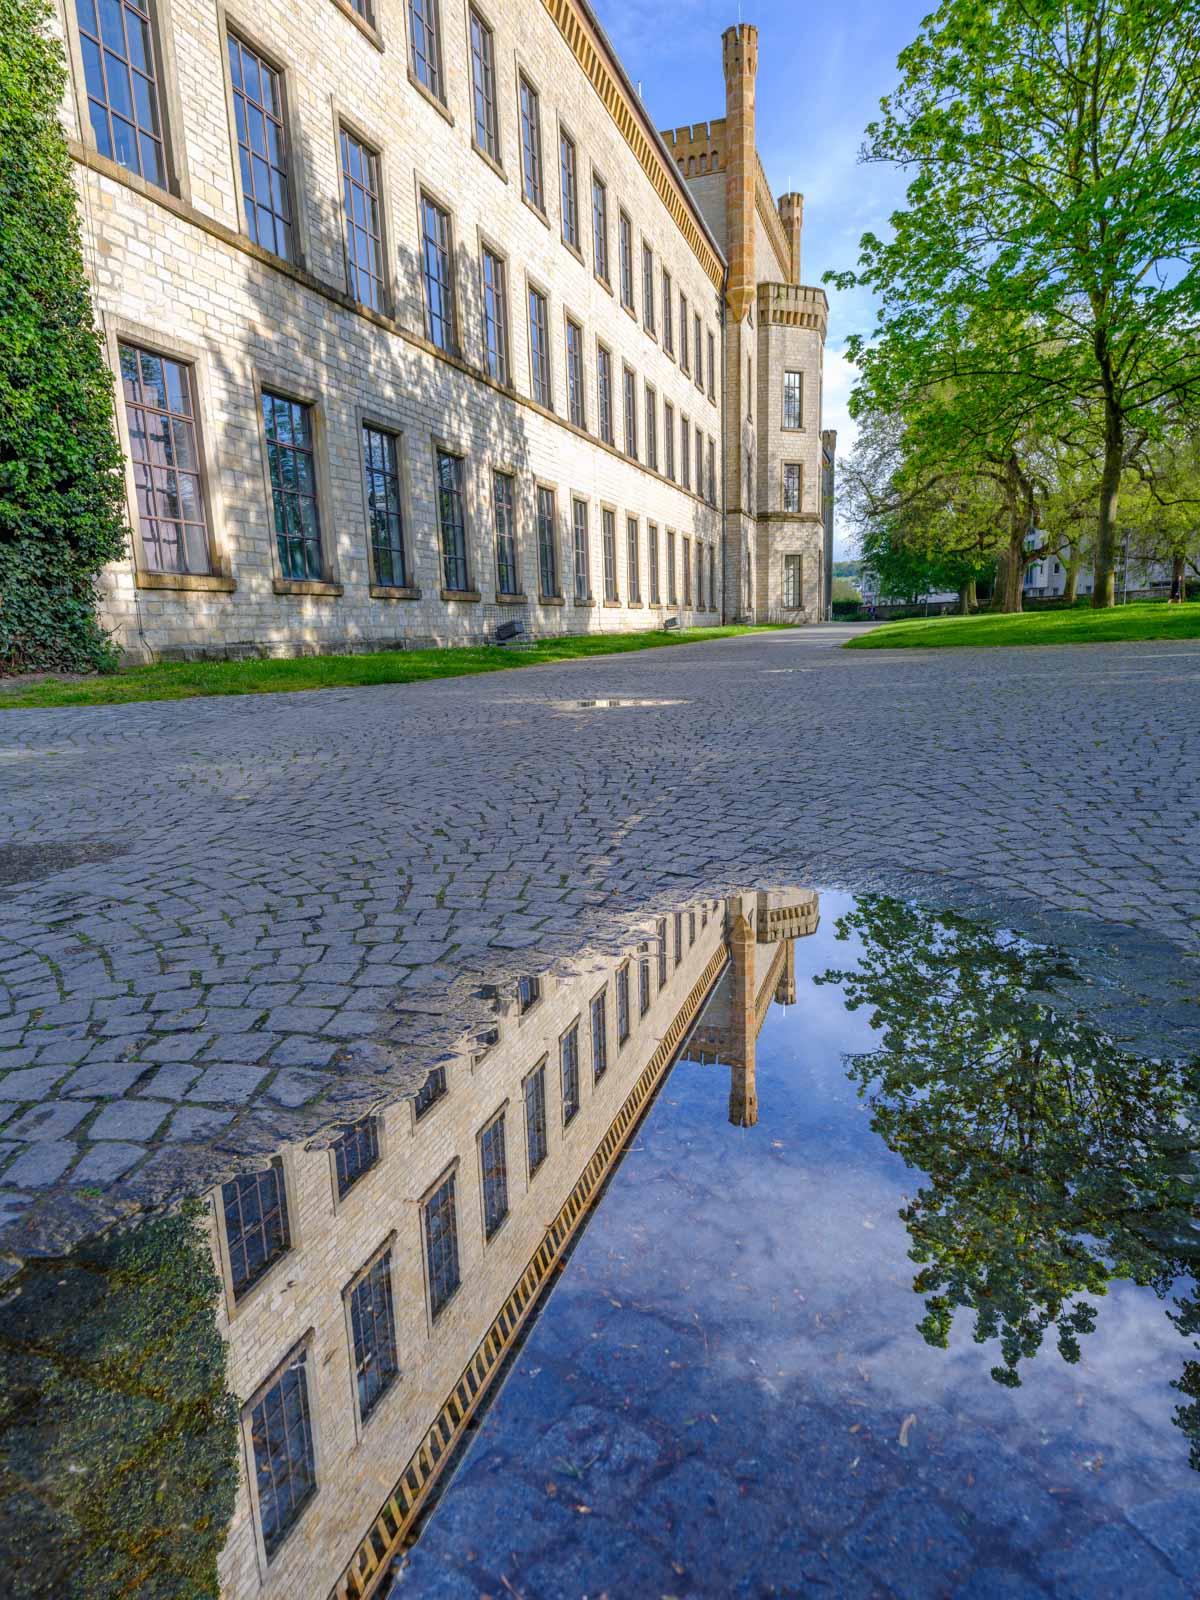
[822, 71]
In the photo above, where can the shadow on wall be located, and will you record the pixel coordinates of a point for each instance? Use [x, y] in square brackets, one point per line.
[355, 373]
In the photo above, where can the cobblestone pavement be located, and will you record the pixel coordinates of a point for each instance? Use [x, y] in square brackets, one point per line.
[225, 923]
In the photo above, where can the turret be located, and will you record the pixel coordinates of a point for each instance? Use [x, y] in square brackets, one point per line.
[740, 55]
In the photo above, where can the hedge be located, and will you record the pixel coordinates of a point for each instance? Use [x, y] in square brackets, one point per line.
[62, 503]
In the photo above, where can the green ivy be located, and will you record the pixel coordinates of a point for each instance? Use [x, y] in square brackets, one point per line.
[62, 504]
[118, 1436]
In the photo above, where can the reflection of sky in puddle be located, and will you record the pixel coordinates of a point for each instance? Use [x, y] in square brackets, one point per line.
[727, 1394]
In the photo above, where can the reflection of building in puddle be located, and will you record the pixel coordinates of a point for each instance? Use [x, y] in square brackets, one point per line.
[762, 968]
[373, 1288]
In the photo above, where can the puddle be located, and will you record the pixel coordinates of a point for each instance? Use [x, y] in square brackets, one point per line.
[801, 1247]
[610, 705]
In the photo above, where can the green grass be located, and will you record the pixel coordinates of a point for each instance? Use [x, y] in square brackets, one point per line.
[183, 681]
[1146, 620]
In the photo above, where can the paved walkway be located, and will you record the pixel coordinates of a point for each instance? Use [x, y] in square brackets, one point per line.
[224, 922]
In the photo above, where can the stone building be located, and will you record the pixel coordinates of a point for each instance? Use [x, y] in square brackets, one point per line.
[777, 558]
[373, 1288]
[412, 317]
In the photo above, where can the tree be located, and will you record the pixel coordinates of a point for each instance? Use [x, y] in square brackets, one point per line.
[1163, 510]
[62, 514]
[1054, 1162]
[1055, 153]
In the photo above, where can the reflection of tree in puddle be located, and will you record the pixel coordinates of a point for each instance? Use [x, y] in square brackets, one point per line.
[1055, 1162]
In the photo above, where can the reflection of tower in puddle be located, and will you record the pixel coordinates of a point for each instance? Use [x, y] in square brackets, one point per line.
[761, 934]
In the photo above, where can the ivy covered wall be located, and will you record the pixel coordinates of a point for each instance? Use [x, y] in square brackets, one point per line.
[62, 501]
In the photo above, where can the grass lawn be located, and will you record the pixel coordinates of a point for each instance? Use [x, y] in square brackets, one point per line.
[182, 681]
[1150, 619]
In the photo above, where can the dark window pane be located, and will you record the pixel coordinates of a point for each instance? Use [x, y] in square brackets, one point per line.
[355, 1153]
[258, 106]
[159, 417]
[441, 1245]
[284, 1465]
[256, 1224]
[373, 1324]
[494, 1172]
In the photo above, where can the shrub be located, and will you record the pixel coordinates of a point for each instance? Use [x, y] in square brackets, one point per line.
[62, 514]
[847, 609]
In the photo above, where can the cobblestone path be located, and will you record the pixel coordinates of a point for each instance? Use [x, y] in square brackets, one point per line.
[227, 922]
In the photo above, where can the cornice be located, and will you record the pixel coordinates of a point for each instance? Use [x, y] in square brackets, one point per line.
[793, 305]
[586, 39]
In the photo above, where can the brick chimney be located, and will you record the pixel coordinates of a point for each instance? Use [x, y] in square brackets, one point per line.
[740, 55]
[791, 214]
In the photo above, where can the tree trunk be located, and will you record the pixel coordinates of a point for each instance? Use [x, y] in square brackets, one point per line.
[964, 599]
[972, 596]
[1178, 566]
[1104, 591]
[1071, 592]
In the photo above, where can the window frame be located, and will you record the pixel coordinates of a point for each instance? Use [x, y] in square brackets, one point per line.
[537, 204]
[793, 560]
[435, 95]
[117, 332]
[712, 365]
[629, 411]
[448, 1174]
[176, 173]
[294, 164]
[461, 453]
[604, 278]
[652, 559]
[385, 1249]
[650, 402]
[569, 1032]
[344, 124]
[698, 350]
[685, 359]
[516, 592]
[534, 288]
[649, 319]
[668, 440]
[598, 1007]
[498, 1117]
[378, 589]
[342, 1197]
[668, 314]
[623, 1003]
[566, 137]
[300, 1352]
[577, 382]
[605, 415]
[494, 158]
[580, 502]
[633, 560]
[540, 488]
[500, 257]
[784, 424]
[429, 196]
[236, 1303]
[532, 1170]
[268, 382]
[784, 468]
[609, 569]
[625, 270]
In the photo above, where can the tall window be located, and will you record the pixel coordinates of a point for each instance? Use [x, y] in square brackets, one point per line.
[699, 576]
[604, 393]
[120, 71]
[668, 295]
[285, 1466]
[439, 286]
[529, 992]
[256, 1225]
[539, 348]
[493, 1172]
[623, 1004]
[535, 1119]
[652, 562]
[712, 577]
[441, 1244]
[506, 539]
[699, 462]
[600, 227]
[575, 409]
[608, 524]
[570, 189]
[431, 1091]
[262, 149]
[669, 440]
[671, 592]
[687, 571]
[547, 538]
[160, 414]
[684, 358]
[579, 529]
[791, 486]
[678, 937]
[292, 462]
[364, 230]
[685, 452]
[451, 520]
[793, 582]
[568, 1057]
[382, 466]
[599, 1036]
[647, 288]
[662, 951]
[425, 45]
[699, 354]
[793, 399]
[495, 316]
[355, 1153]
[643, 979]
[625, 236]
[712, 368]
[633, 559]
[630, 388]
[483, 86]
[712, 472]
[651, 428]
[531, 145]
[373, 1325]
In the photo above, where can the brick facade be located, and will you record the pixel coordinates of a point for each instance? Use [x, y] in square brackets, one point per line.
[176, 274]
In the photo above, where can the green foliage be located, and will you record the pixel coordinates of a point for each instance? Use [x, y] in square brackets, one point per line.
[847, 609]
[118, 1439]
[1053, 1162]
[1067, 625]
[844, 589]
[169, 681]
[61, 490]
[1047, 259]
[905, 570]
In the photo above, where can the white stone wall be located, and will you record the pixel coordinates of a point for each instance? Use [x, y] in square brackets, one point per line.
[783, 348]
[176, 273]
[301, 1298]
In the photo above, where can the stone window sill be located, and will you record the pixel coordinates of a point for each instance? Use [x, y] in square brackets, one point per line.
[429, 96]
[515, 599]
[489, 160]
[613, 605]
[551, 600]
[635, 605]
[202, 582]
[388, 591]
[461, 594]
[314, 586]
[586, 604]
[538, 211]
[367, 29]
